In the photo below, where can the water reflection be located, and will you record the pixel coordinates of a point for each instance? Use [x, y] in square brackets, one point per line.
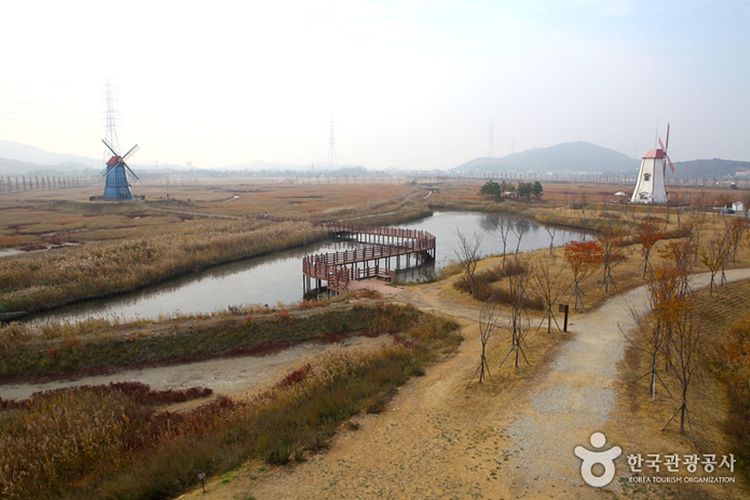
[521, 233]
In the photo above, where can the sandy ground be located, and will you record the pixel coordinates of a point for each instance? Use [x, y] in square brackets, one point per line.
[375, 284]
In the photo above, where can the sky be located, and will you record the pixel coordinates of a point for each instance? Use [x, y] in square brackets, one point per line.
[408, 84]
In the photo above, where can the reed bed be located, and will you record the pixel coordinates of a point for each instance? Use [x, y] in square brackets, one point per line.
[26, 354]
[48, 279]
[84, 444]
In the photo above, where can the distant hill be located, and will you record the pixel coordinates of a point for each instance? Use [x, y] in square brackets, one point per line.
[31, 154]
[715, 168]
[562, 158]
[16, 168]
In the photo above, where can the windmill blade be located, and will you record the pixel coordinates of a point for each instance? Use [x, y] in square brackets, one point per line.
[109, 170]
[131, 152]
[110, 148]
[670, 163]
[129, 170]
[662, 146]
[665, 149]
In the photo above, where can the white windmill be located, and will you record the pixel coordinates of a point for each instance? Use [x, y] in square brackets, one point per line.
[650, 186]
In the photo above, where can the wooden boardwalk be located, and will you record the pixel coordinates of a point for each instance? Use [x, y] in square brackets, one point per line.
[389, 246]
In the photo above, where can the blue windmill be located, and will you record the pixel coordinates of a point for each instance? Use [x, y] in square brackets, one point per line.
[116, 186]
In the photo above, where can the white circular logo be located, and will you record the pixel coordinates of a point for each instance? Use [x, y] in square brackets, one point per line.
[591, 458]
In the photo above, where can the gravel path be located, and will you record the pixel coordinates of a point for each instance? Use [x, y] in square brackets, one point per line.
[577, 396]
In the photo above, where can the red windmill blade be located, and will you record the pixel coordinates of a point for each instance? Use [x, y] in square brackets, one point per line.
[671, 165]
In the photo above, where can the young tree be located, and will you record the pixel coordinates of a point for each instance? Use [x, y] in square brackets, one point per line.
[736, 228]
[546, 283]
[666, 297]
[551, 219]
[503, 225]
[682, 257]
[583, 258]
[684, 343]
[649, 231]
[468, 256]
[520, 228]
[518, 323]
[613, 253]
[714, 257]
[489, 316]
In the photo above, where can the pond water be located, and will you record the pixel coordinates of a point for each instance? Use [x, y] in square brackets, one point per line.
[278, 277]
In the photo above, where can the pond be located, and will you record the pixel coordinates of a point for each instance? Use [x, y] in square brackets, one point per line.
[278, 277]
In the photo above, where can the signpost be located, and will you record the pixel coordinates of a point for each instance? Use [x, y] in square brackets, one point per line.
[564, 308]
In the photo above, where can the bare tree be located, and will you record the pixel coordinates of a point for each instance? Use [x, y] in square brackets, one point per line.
[551, 231]
[489, 316]
[519, 320]
[612, 246]
[546, 283]
[684, 343]
[520, 228]
[468, 256]
[583, 258]
[683, 256]
[503, 225]
[736, 228]
[665, 295]
[649, 231]
[714, 257]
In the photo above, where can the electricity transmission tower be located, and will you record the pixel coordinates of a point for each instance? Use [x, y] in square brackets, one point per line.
[111, 133]
[331, 150]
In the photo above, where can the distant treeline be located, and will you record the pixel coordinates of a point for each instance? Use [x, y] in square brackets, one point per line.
[36, 183]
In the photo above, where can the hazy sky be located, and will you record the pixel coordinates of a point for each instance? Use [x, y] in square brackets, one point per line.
[409, 84]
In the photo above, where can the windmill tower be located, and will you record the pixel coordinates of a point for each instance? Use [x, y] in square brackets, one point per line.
[116, 186]
[650, 187]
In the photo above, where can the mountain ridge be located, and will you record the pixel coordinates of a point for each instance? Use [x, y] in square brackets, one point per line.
[566, 157]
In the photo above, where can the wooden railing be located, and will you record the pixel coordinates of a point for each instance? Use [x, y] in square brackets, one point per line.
[339, 268]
